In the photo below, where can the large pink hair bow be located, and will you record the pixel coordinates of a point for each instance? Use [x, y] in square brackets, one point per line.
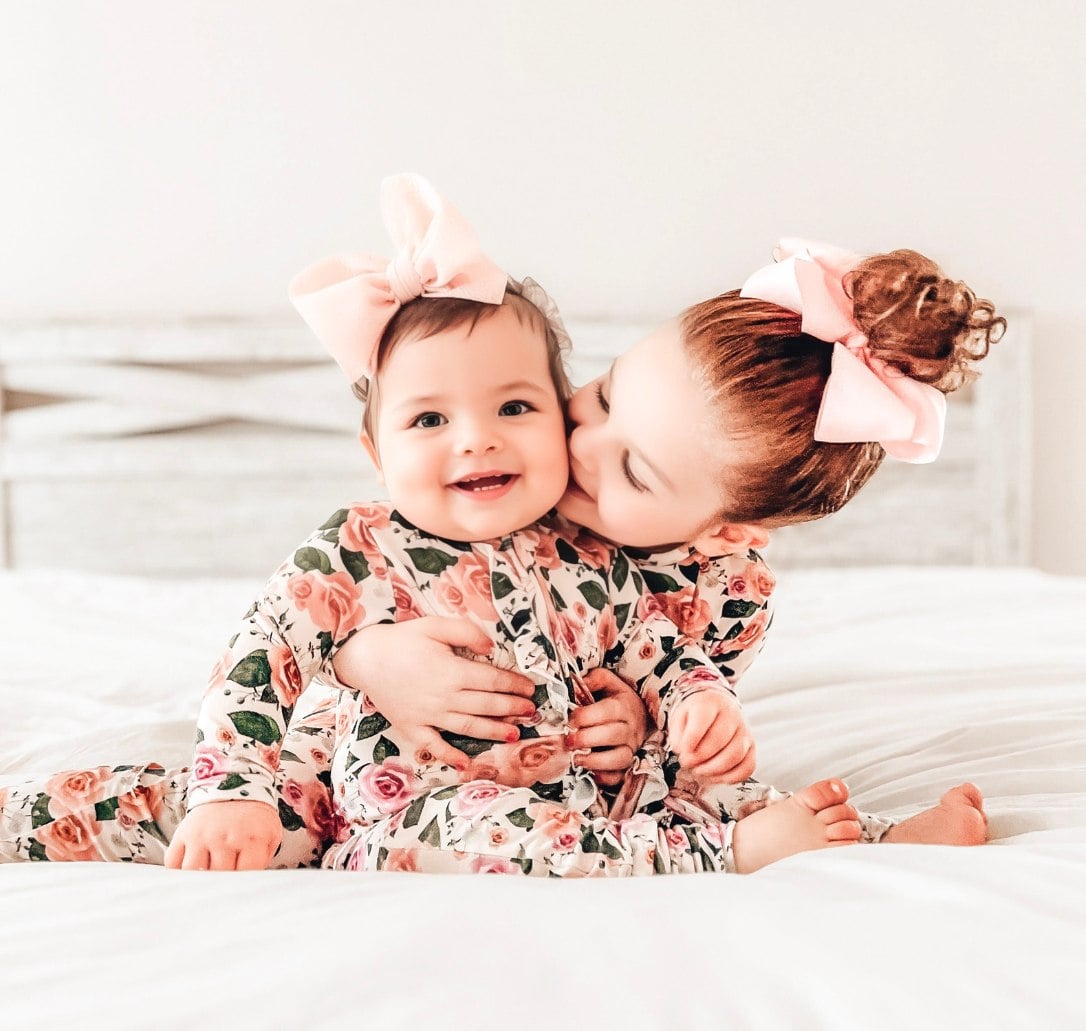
[349, 299]
[864, 399]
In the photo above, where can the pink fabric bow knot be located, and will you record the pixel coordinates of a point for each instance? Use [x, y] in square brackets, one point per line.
[864, 399]
[349, 299]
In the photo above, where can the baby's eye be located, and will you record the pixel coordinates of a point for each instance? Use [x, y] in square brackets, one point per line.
[515, 408]
[429, 420]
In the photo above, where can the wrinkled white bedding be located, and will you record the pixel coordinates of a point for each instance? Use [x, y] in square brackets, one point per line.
[902, 681]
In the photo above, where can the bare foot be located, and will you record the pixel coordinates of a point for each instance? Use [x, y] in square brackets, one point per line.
[958, 819]
[819, 816]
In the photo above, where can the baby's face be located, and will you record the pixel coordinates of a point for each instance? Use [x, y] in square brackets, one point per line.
[647, 455]
[470, 433]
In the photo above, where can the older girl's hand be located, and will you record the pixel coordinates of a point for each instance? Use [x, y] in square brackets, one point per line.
[614, 727]
[416, 674]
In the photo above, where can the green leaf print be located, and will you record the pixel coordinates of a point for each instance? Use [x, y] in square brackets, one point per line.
[290, 820]
[735, 608]
[620, 569]
[231, 783]
[659, 583]
[444, 793]
[355, 563]
[336, 520]
[257, 726]
[430, 560]
[662, 666]
[520, 818]
[557, 601]
[153, 829]
[325, 639]
[609, 850]
[594, 595]
[384, 749]
[370, 725]
[431, 834]
[252, 671]
[500, 585]
[470, 746]
[40, 815]
[37, 852]
[544, 642]
[550, 792]
[286, 756]
[590, 843]
[312, 560]
[413, 813]
[621, 614]
[566, 552]
[106, 810]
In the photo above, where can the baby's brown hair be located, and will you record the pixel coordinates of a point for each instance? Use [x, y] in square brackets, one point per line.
[770, 377]
[426, 316]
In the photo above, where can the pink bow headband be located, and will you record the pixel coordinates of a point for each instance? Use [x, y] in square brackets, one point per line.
[864, 399]
[348, 300]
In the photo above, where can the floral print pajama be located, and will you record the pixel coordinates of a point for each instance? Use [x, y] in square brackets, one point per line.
[557, 603]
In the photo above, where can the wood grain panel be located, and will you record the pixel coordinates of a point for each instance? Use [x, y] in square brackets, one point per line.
[213, 447]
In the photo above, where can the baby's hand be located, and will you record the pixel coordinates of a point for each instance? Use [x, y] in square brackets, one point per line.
[711, 738]
[239, 835]
[415, 674]
[614, 726]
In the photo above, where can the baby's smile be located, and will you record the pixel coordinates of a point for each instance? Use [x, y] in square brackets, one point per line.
[485, 486]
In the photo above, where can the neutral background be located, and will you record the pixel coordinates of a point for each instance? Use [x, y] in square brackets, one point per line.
[166, 160]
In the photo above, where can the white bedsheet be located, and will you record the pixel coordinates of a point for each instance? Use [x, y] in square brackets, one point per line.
[902, 681]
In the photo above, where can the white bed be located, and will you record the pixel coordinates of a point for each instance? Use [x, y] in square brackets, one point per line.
[905, 680]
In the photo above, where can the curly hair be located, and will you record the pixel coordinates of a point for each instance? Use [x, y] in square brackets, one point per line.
[769, 377]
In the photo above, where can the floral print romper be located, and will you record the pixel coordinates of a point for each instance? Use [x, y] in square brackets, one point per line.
[556, 601]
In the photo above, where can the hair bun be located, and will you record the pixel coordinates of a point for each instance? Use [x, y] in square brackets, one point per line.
[931, 327]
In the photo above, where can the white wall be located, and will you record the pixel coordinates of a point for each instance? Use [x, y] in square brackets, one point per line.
[188, 158]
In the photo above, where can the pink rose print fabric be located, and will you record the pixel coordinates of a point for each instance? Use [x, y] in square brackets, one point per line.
[555, 601]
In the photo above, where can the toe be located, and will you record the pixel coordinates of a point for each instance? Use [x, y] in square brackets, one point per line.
[838, 814]
[965, 794]
[845, 830]
[822, 794]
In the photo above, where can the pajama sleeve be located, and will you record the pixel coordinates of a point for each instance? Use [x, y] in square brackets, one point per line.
[737, 592]
[664, 664]
[723, 603]
[334, 584]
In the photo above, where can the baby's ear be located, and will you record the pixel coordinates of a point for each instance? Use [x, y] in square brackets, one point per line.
[730, 538]
[371, 449]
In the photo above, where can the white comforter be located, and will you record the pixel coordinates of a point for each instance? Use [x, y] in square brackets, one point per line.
[902, 681]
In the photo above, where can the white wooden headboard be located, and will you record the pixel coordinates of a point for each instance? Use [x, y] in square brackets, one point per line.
[213, 447]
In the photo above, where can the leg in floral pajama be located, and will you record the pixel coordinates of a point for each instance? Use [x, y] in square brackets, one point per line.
[482, 827]
[128, 814]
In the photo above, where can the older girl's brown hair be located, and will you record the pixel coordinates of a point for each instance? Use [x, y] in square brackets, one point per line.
[426, 316]
[769, 377]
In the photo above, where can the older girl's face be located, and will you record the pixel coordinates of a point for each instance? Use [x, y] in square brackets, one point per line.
[646, 454]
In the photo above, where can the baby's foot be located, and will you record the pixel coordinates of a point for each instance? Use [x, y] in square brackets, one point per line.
[958, 819]
[819, 816]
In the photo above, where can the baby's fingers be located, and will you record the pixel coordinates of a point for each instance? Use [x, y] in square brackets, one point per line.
[605, 760]
[730, 766]
[196, 858]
